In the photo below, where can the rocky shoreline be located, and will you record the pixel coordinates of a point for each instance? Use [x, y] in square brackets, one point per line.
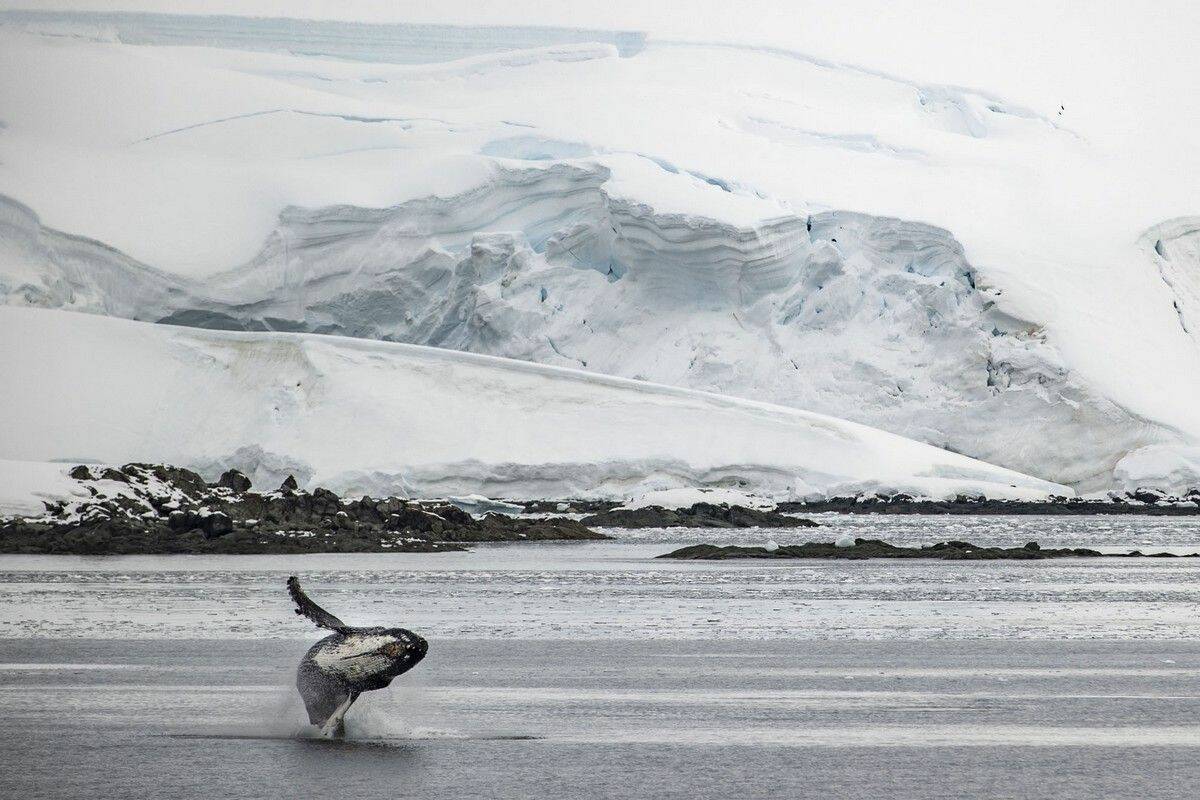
[157, 509]
[1149, 502]
[876, 548]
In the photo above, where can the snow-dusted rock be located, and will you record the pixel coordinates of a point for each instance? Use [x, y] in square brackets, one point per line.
[686, 497]
[234, 480]
[158, 508]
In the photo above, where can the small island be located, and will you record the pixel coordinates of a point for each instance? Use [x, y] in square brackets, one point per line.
[875, 548]
[698, 515]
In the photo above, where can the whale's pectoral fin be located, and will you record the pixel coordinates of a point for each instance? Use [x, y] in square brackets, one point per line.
[306, 607]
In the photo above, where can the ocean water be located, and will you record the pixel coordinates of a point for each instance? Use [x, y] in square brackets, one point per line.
[580, 670]
[611, 718]
[618, 589]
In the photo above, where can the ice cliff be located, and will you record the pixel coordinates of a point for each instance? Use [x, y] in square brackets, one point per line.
[878, 320]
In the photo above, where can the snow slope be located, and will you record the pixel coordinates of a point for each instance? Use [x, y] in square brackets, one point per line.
[376, 417]
[25, 486]
[990, 252]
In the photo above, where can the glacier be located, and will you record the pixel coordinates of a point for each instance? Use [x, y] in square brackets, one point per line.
[557, 264]
[809, 228]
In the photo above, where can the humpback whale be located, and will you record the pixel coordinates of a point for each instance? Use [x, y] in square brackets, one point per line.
[348, 662]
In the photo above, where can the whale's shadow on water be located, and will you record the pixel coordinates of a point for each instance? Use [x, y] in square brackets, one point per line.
[282, 720]
[350, 741]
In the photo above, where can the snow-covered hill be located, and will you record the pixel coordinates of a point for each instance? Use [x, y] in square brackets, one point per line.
[378, 417]
[729, 213]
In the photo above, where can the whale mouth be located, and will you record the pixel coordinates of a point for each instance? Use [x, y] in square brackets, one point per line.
[394, 651]
[399, 658]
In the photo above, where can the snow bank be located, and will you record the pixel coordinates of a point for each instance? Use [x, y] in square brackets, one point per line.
[25, 487]
[370, 417]
[1169, 468]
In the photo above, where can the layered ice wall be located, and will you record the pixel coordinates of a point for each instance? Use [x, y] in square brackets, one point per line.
[373, 42]
[741, 219]
[874, 319]
[50, 269]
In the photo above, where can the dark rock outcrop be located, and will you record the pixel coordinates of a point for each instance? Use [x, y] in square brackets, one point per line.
[1148, 496]
[875, 548]
[216, 524]
[700, 515]
[234, 481]
[110, 474]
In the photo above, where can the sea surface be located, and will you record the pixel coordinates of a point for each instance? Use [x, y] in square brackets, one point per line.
[592, 669]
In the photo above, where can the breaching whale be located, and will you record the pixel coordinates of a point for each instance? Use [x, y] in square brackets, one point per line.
[350, 661]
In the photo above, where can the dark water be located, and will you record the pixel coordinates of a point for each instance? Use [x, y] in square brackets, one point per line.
[611, 718]
[593, 670]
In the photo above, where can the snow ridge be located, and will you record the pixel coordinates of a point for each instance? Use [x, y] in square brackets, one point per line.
[959, 109]
[385, 418]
